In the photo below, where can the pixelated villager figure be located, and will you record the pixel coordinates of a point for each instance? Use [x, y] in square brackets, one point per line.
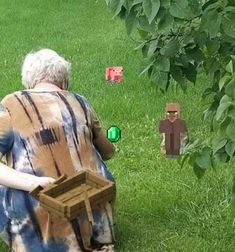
[114, 74]
[174, 132]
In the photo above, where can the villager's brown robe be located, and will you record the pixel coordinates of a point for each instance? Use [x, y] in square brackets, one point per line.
[173, 132]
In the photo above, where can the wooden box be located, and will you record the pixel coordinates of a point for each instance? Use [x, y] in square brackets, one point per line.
[68, 197]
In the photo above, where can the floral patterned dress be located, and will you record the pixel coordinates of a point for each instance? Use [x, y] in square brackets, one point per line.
[48, 134]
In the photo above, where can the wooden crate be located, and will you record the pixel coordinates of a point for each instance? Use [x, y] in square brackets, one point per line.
[68, 197]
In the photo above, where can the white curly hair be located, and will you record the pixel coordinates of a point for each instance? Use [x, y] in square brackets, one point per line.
[45, 65]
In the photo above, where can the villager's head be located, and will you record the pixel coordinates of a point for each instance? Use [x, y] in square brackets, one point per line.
[45, 65]
[172, 111]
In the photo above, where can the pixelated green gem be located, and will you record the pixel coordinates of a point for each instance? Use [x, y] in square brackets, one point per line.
[113, 134]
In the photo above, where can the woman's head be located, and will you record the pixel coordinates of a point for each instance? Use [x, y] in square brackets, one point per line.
[45, 65]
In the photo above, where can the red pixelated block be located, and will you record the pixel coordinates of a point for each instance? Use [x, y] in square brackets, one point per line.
[114, 74]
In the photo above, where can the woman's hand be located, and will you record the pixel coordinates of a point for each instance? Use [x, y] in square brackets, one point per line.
[45, 181]
[41, 181]
[104, 146]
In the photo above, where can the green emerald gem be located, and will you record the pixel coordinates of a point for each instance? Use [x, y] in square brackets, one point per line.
[113, 134]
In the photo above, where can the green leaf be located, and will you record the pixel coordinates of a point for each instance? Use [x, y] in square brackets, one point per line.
[180, 9]
[229, 9]
[146, 64]
[213, 46]
[207, 92]
[143, 34]
[211, 65]
[230, 148]
[165, 3]
[162, 64]
[165, 21]
[155, 9]
[200, 37]
[170, 49]
[144, 24]
[231, 112]
[116, 6]
[190, 72]
[153, 45]
[210, 22]
[210, 4]
[145, 49]
[183, 159]
[225, 99]
[204, 158]
[178, 76]
[198, 171]
[220, 157]
[188, 40]
[229, 67]
[224, 124]
[195, 54]
[182, 61]
[160, 78]
[228, 24]
[230, 89]
[177, 73]
[137, 2]
[194, 7]
[192, 158]
[140, 46]
[131, 21]
[147, 6]
[128, 5]
[221, 109]
[151, 8]
[230, 131]
[218, 144]
[223, 81]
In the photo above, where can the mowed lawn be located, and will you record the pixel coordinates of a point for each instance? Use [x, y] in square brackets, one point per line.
[159, 206]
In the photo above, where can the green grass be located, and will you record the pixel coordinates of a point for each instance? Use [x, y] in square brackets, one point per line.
[159, 207]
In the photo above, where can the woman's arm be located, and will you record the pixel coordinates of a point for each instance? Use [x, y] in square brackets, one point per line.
[104, 147]
[8, 176]
[21, 181]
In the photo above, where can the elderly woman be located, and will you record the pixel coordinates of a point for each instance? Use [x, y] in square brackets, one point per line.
[46, 131]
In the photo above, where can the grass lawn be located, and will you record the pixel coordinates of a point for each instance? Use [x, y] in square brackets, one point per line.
[159, 207]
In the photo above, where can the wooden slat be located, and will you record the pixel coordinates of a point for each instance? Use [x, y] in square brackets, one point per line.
[103, 200]
[54, 211]
[94, 196]
[76, 198]
[36, 192]
[78, 205]
[99, 194]
[65, 186]
[106, 198]
[108, 194]
[68, 194]
[96, 178]
[60, 179]
[93, 184]
[53, 203]
[71, 193]
[88, 206]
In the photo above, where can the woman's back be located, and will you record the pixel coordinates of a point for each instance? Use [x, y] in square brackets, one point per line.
[53, 133]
